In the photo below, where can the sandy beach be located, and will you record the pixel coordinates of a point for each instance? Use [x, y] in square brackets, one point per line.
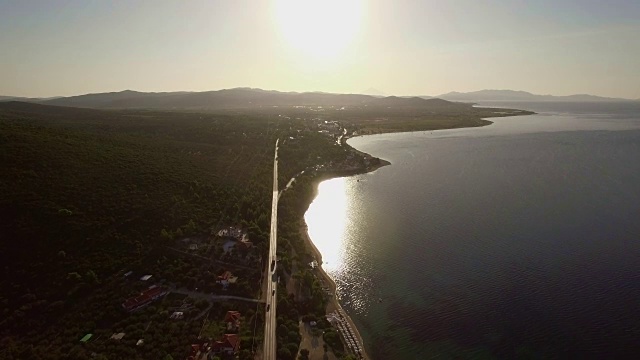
[334, 304]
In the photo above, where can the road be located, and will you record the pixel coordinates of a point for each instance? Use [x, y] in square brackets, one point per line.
[212, 297]
[269, 349]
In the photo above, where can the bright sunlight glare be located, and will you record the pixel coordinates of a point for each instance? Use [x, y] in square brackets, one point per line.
[329, 209]
[319, 28]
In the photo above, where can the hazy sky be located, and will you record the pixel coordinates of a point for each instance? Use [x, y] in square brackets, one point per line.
[401, 47]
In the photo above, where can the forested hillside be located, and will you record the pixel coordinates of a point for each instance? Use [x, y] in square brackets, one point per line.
[86, 194]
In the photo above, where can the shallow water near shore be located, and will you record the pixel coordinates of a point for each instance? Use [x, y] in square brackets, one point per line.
[519, 238]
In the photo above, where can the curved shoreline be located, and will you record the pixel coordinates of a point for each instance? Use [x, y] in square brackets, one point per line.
[334, 303]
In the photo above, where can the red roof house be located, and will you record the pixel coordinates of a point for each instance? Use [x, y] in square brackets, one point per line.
[225, 275]
[230, 344]
[144, 298]
[232, 318]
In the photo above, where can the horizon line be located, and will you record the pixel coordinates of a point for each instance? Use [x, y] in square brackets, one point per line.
[308, 92]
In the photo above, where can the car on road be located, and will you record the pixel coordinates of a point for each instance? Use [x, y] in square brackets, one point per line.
[273, 265]
[273, 292]
[268, 307]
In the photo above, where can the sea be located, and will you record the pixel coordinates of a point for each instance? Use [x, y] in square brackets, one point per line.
[517, 240]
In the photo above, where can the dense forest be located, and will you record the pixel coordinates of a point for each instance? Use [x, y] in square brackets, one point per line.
[88, 195]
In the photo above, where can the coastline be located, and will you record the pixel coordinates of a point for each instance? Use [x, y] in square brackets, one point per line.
[334, 304]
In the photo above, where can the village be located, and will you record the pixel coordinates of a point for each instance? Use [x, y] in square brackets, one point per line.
[209, 282]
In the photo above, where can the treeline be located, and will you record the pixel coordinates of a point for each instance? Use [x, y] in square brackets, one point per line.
[86, 195]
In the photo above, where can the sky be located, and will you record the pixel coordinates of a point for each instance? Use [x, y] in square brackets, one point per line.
[400, 47]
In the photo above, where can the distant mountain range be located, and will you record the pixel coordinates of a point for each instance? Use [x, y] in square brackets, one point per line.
[235, 99]
[511, 95]
[20, 98]
[373, 92]
[255, 98]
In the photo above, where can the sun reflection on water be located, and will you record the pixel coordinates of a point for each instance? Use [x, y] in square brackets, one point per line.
[327, 222]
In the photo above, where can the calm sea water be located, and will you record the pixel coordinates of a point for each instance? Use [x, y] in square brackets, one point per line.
[516, 240]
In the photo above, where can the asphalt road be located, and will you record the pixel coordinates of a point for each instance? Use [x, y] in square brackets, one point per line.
[269, 350]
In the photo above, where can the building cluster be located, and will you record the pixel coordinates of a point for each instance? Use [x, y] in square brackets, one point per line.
[236, 237]
[227, 345]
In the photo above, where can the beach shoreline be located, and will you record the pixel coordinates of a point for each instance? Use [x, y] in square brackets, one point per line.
[334, 303]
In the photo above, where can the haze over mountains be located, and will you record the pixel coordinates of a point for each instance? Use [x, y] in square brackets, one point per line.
[250, 97]
[511, 95]
[237, 98]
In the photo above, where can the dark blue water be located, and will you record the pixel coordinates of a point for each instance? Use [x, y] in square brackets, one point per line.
[516, 240]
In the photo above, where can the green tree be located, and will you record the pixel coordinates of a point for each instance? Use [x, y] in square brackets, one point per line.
[284, 353]
[74, 276]
[190, 228]
[92, 278]
[292, 347]
[245, 354]
[166, 235]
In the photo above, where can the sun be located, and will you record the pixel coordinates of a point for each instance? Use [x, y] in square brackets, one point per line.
[319, 28]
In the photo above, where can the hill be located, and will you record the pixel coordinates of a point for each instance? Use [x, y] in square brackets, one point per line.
[511, 95]
[244, 98]
[373, 92]
[238, 98]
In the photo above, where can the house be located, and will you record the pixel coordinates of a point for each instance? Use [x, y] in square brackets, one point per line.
[229, 344]
[232, 319]
[177, 315]
[199, 351]
[231, 231]
[144, 298]
[227, 278]
[225, 275]
[117, 336]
